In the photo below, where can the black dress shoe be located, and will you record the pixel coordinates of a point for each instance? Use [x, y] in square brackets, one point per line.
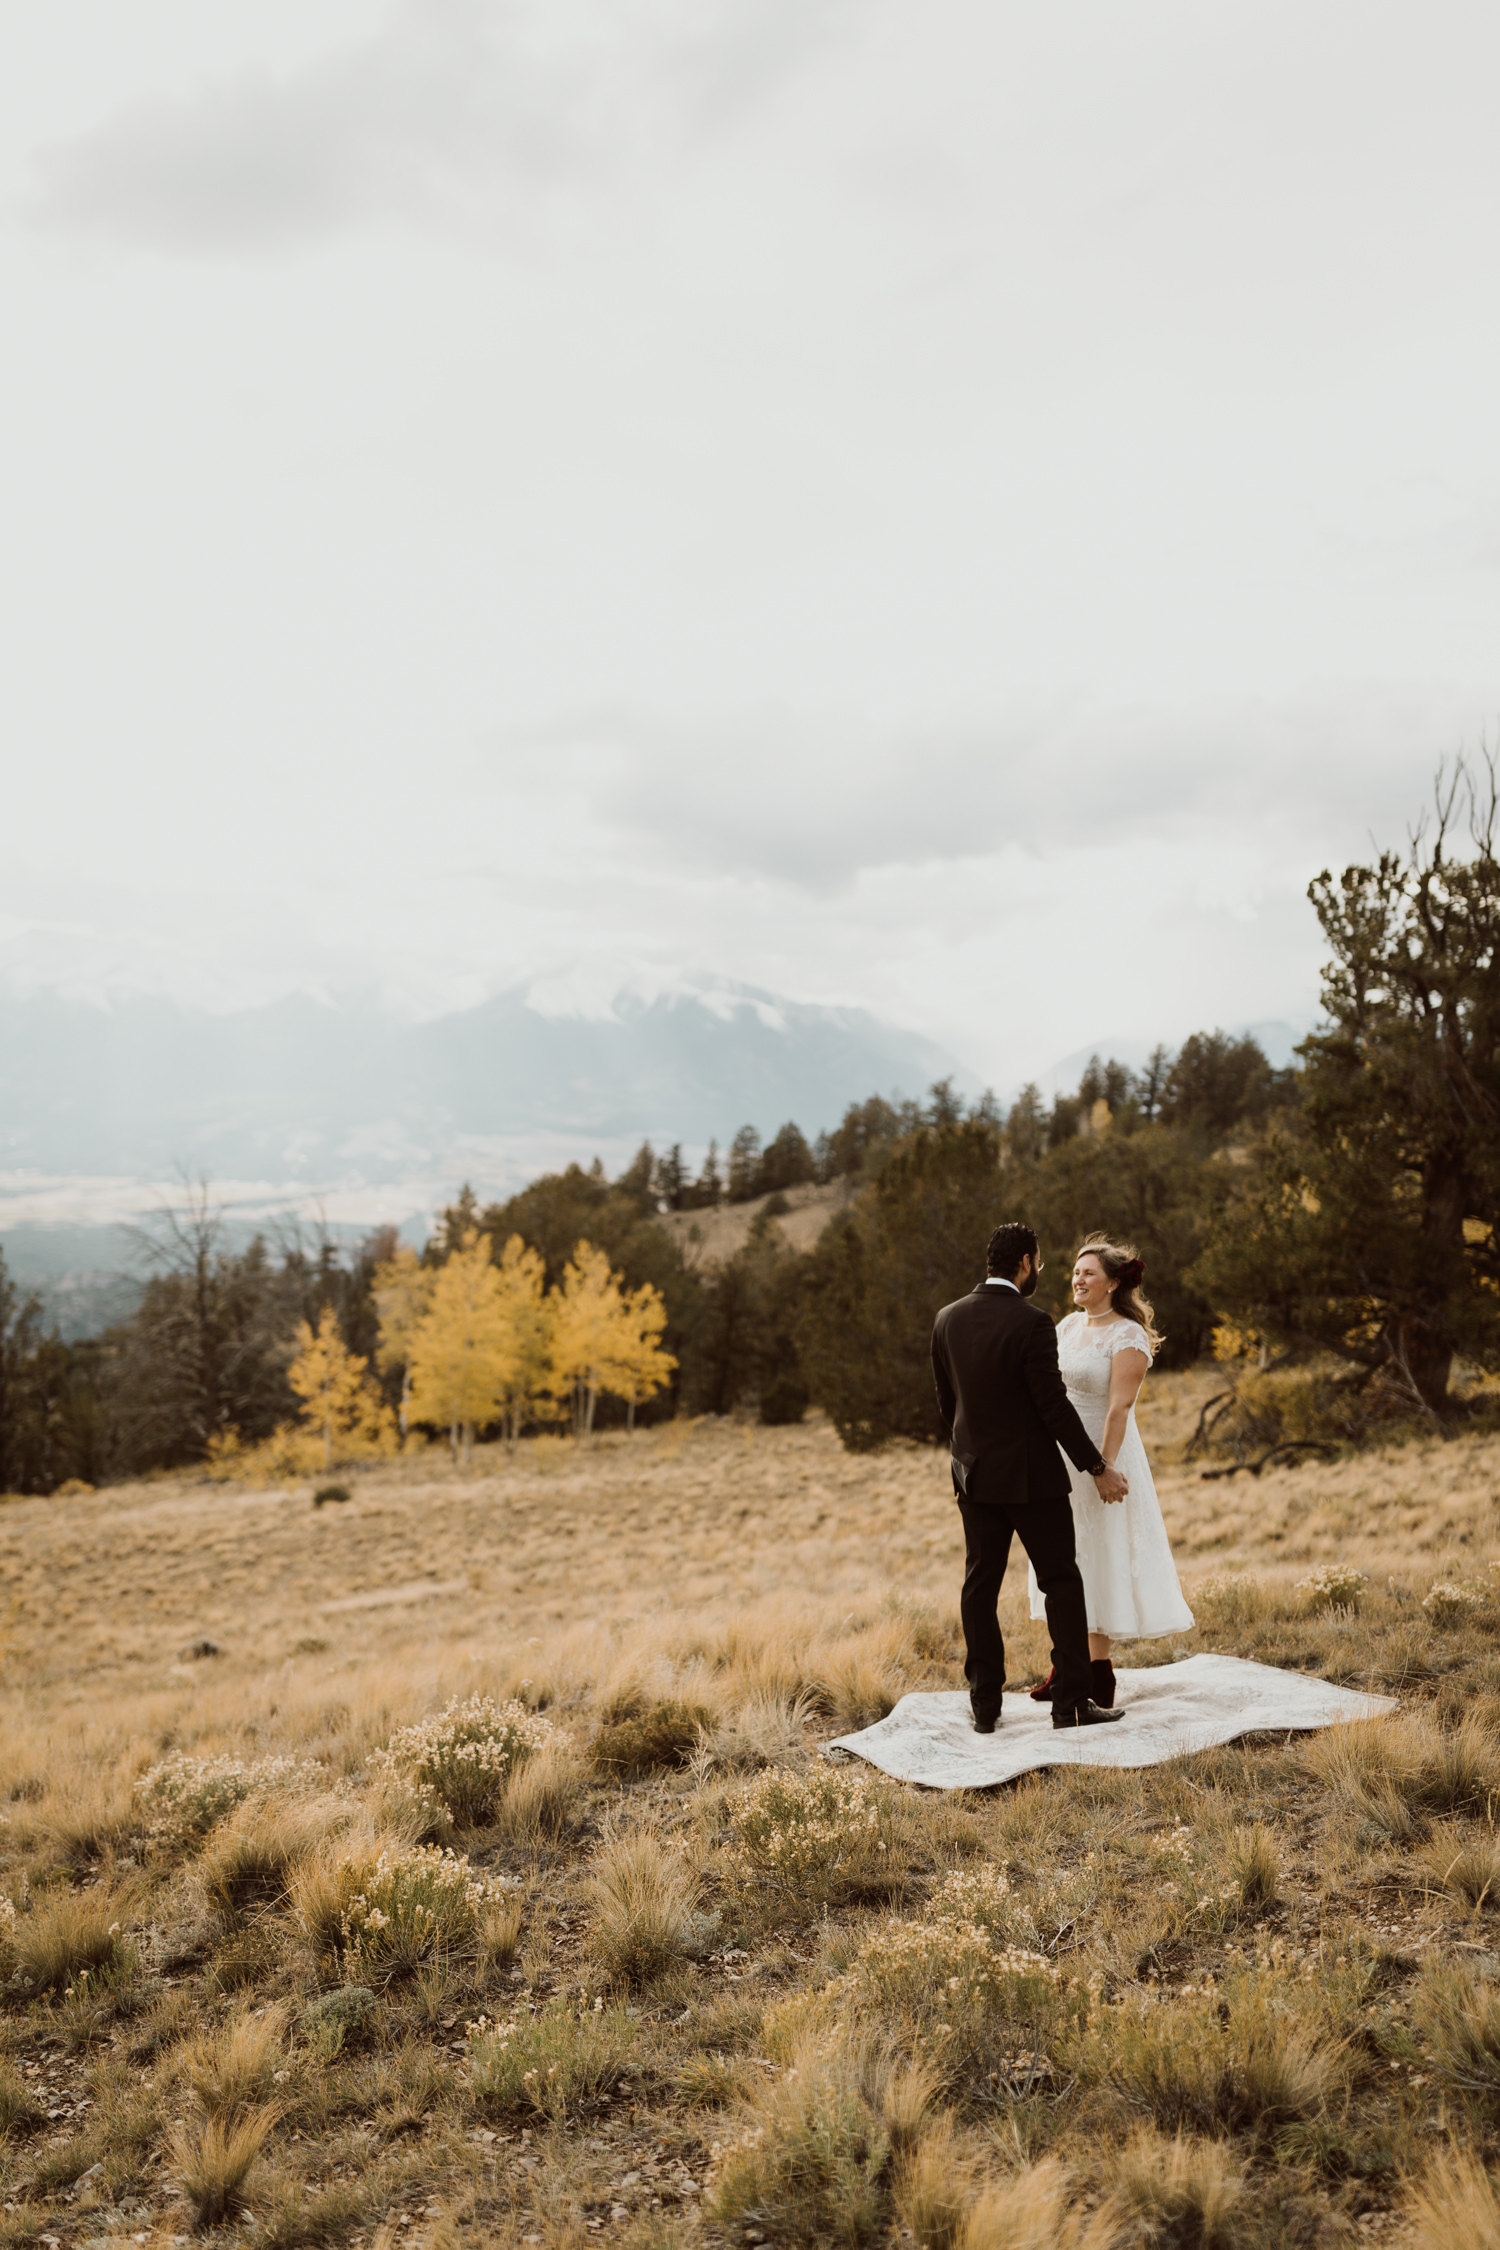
[986, 1725]
[1086, 1714]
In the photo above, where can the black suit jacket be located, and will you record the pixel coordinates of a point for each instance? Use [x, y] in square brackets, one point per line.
[1002, 1400]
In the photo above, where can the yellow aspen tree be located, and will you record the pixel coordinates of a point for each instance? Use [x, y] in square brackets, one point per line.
[459, 1348]
[639, 1367]
[585, 1320]
[338, 1399]
[402, 1289]
[527, 1371]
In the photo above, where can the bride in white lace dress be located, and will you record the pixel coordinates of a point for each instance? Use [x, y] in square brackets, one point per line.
[1104, 1348]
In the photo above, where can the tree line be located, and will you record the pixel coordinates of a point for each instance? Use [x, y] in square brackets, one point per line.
[1340, 1215]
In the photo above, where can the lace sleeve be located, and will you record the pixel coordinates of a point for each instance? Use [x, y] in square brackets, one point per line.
[1130, 1338]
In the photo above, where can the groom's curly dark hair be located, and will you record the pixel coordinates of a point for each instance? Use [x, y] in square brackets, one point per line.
[1008, 1245]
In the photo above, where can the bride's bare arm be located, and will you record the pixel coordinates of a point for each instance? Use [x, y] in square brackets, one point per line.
[1127, 1372]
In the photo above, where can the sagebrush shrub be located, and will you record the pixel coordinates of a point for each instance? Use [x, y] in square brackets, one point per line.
[553, 2063]
[409, 1906]
[1335, 1586]
[814, 1836]
[327, 2021]
[184, 1797]
[383, 1918]
[971, 2005]
[1448, 1604]
[463, 1759]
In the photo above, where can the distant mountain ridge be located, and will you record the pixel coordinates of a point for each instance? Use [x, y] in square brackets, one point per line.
[303, 1091]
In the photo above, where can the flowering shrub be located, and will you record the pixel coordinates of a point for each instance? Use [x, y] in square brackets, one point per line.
[1335, 1586]
[410, 1905]
[981, 1895]
[464, 1758]
[961, 1996]
[551, 2063]
[955, 1963]
[1186, 1891]
[184, 1797]
[1447, 1605]
[799, 1830]
[1231, 1602]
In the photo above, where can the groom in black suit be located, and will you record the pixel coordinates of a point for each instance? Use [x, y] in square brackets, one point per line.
[1006, 1412]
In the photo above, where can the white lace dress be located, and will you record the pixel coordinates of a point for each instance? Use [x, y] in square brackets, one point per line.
[1129, 1577]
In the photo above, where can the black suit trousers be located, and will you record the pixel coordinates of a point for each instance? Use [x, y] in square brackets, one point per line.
[1045, 1530]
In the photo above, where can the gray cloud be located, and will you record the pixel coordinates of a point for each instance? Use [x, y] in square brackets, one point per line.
[455, 112]
[816, 803]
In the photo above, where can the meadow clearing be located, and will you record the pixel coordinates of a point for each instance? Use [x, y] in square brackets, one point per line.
[290, 1956]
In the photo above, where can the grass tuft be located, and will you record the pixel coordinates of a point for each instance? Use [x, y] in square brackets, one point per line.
[1174, 2191]
[231, 2073]
[1254, 1868]
[1028, 2211]
[542, 1803]
[72, 1934]
[645, 1902]
[935, 2187]
[812, 2158]
[248, 1865]
[1455, 2205]
[1461, 2016]
[213, 2162]
[18, 2110]
[1467, 1867]
[651, 1741]
[1400, 1772]
[1236, 2061]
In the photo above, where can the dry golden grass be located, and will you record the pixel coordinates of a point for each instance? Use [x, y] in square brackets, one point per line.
[644, 1900]
[1455, 2206]
[213, 2161]
[1297, 2042]
[234, 2069]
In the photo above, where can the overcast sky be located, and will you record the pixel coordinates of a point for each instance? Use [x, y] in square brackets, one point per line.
[960, 507]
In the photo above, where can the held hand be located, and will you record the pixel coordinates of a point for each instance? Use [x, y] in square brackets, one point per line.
[1111, 1486]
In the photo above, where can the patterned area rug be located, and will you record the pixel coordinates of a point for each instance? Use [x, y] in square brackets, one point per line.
[1169, 1709]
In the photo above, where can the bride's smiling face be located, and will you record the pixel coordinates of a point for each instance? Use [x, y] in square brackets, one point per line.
[1090, 1284]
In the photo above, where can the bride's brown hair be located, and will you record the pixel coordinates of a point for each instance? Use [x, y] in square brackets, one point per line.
[1124, 1272]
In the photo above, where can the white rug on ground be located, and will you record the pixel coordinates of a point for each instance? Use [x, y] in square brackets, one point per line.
[1169, 1709]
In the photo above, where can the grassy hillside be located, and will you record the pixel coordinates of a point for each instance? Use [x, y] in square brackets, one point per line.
[692, 1984]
